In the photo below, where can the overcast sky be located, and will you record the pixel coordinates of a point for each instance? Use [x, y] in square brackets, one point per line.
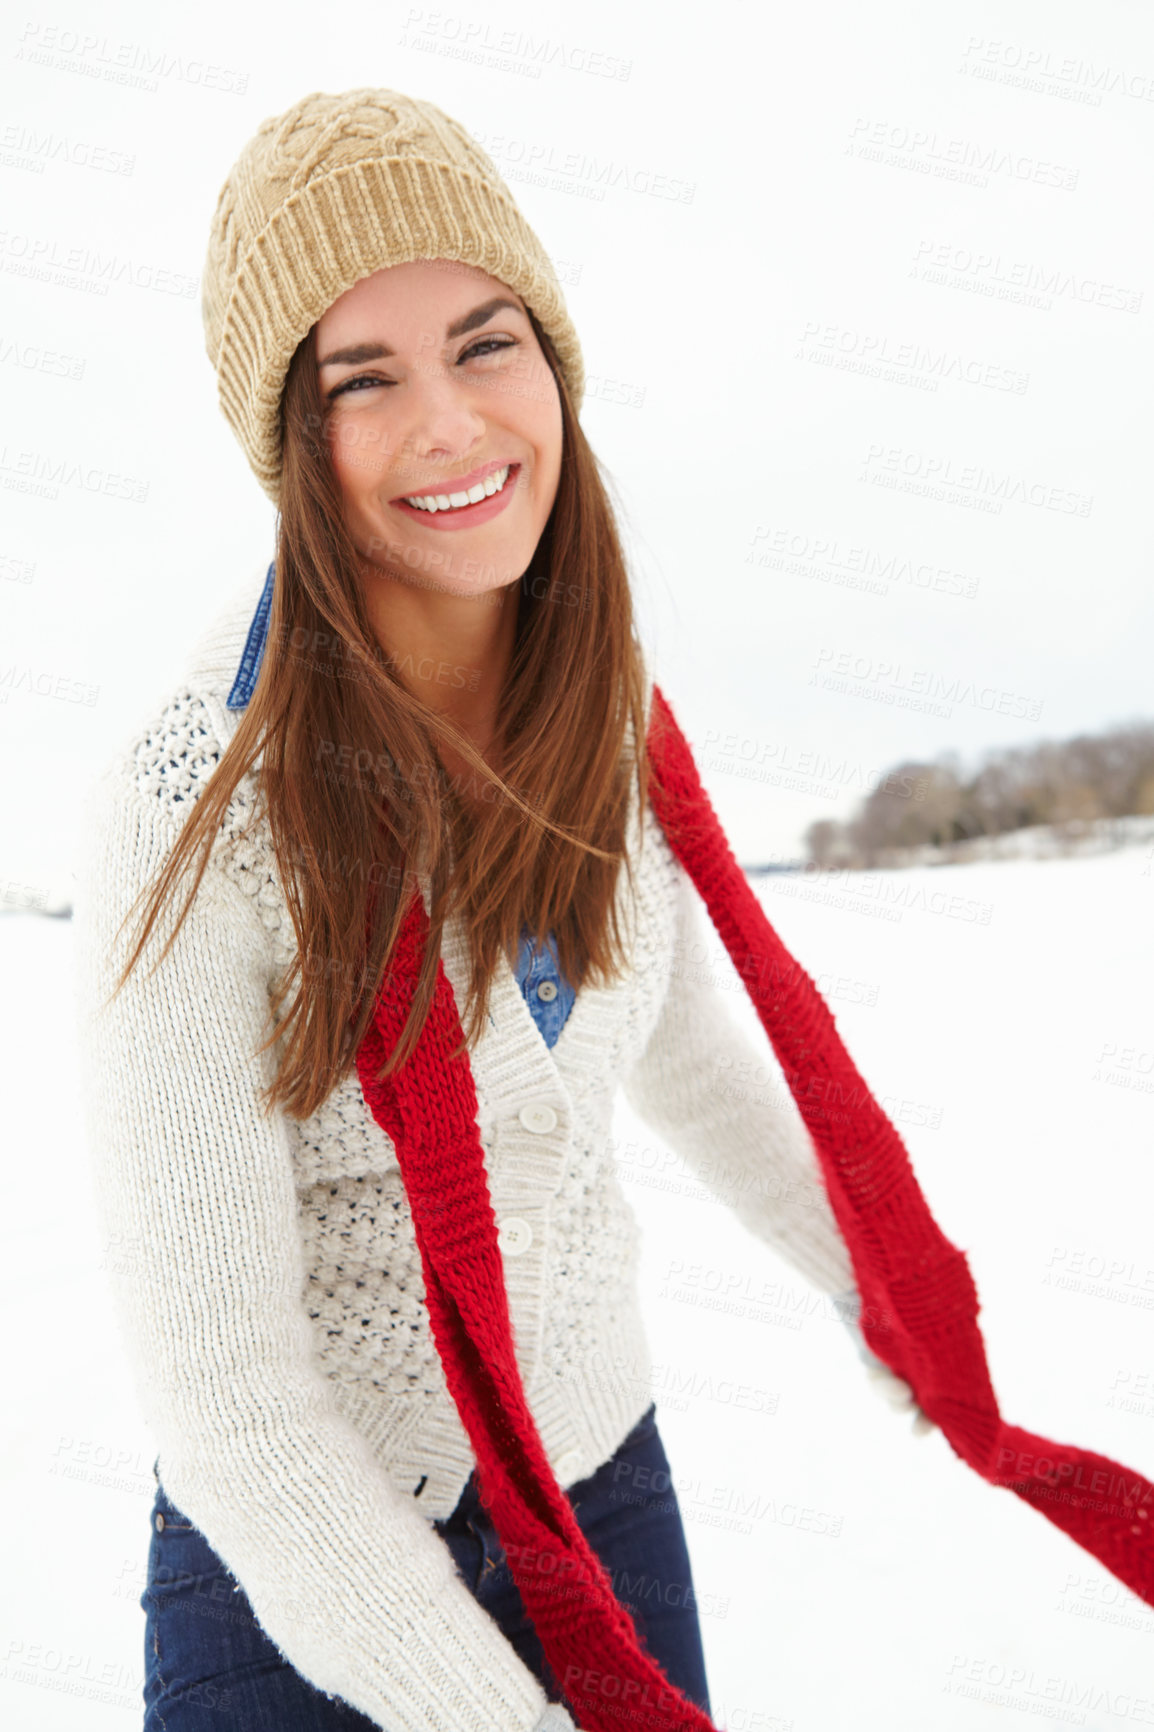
[865, 298]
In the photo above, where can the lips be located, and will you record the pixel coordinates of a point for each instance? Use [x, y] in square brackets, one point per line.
[461, 484]
[463, 516]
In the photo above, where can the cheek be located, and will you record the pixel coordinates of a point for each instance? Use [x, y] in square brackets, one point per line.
[552, 446]
[542, 423]
[358, 449]
[534, 405]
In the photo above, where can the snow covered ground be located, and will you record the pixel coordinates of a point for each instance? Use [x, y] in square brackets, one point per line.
[853, 1578]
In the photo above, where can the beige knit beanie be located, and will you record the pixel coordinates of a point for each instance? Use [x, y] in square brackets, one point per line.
[324, 194]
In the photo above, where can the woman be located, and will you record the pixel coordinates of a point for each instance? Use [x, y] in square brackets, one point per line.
[440, 688]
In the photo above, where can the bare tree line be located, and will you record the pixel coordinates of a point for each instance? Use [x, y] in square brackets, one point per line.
[1062, 783]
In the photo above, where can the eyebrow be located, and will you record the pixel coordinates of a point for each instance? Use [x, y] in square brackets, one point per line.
[359, 352]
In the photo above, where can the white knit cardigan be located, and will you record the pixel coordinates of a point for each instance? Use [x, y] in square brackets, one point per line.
[265, 1271]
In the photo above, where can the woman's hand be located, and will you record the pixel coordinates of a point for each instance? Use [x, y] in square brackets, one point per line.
[888, 1384]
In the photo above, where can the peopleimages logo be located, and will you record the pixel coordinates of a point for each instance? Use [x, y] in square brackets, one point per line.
[898, 145]
[44, 257]
[1068, 75]
[890, 682]
[475, 40]
[877, 355]
[1023, 281]
[938, 476]
[1020, 1688]
[135, 64]
[545, 163]
[853, 565]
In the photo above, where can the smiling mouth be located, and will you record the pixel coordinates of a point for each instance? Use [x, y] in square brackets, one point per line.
[449, 502]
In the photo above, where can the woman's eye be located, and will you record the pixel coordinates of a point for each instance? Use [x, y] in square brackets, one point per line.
[490, 343]
[359, 379]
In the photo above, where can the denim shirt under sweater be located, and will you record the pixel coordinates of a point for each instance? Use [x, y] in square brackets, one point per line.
[543, 987]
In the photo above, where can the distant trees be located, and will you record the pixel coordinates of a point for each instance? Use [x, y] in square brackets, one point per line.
[1063, 783]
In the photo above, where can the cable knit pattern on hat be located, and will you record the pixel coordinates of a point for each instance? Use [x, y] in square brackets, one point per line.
[333, 189]
[267, 1277]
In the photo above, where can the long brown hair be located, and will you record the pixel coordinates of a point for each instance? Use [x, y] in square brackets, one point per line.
[540, 842]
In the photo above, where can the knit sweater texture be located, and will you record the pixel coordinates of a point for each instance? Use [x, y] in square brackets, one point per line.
[265, 1270]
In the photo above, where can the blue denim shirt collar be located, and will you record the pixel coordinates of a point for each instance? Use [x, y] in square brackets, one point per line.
[253, 652]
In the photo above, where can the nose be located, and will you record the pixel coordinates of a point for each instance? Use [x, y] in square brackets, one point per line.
[444, 423]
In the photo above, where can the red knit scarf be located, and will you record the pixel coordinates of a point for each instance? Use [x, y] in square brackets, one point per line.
[919, 1302]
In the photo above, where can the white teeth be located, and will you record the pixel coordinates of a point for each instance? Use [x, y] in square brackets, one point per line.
[453, 501]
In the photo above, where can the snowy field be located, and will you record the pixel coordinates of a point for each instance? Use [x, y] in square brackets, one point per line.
[852, 1577]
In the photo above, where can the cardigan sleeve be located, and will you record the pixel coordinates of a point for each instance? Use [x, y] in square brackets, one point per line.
[721, 1102]
[195, 1189]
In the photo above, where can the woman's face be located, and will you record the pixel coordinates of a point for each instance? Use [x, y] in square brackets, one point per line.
[434, 385]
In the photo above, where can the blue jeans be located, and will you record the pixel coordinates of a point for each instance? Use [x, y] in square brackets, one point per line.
[209, 1667]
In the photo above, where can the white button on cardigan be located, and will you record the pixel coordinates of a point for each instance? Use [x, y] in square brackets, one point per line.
[515, 1235]
[538, 1116]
